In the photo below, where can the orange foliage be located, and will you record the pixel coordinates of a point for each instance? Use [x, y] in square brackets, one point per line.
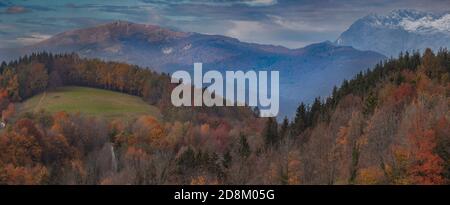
[4, 100]
[19, 149]
[139, 161]
[117, 126]
[369, 175]
[3, 94]
[151, 131]
[202, 180]
[294, 167]
[78, 169]
[403, 92]
[427, 166]
[23, 175]
[59, 118]
[204, 129]
[342, 136]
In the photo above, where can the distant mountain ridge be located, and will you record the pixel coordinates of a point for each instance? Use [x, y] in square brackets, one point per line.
[400, 30]
[305, 72]
[134, 43]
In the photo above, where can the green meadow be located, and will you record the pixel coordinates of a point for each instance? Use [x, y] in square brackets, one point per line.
[89, 101]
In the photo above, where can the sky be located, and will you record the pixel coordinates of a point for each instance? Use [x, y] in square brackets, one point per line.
[290, 23]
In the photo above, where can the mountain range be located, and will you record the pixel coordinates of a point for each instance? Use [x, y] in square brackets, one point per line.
[400, 30]
[305, 73]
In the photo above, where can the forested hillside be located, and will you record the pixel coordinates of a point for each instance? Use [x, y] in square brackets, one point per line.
[43, 148]
[34, 74]
[389, 125]
[386, 126]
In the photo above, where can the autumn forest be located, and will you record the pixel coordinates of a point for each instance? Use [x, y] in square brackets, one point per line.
[388, 125]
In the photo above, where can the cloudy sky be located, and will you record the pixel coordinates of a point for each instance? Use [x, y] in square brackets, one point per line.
[291, 23]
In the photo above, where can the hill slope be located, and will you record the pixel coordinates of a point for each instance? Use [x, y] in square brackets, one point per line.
[388, 126]
[89, 101]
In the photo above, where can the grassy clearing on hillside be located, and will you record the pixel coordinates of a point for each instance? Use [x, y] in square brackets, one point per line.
[89, 101]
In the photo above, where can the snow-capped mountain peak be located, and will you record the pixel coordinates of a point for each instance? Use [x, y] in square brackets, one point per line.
[427, 24]
[397, 31]
[411, 20]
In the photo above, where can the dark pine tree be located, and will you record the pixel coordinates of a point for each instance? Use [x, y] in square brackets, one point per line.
[244, 147]
[271, 132]
[300, 120]
[284, 129]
